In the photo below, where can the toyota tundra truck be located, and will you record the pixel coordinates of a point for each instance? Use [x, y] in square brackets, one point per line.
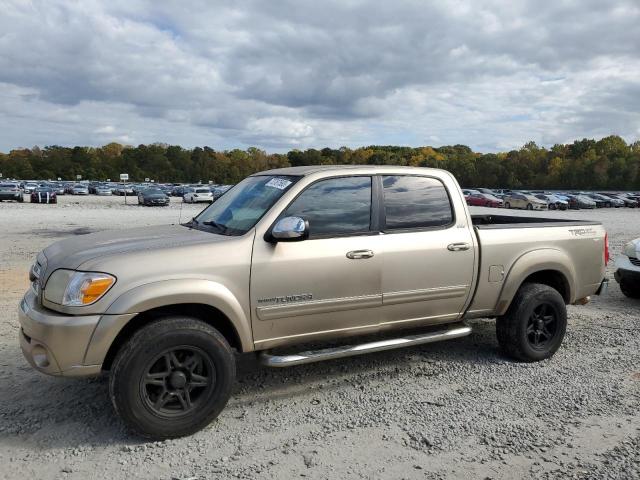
[348, 259]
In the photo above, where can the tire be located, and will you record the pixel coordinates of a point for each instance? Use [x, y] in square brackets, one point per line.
[507, 205]
[176, 352]
[552, 206]
[529, 206]
[516, 330]
[21, 199]
[629, 290]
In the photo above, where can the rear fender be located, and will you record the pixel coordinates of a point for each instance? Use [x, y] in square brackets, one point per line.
[530, 263]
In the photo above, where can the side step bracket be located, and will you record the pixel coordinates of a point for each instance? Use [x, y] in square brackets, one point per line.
[311, 356]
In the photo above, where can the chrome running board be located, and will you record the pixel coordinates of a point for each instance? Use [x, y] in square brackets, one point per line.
[311, 356]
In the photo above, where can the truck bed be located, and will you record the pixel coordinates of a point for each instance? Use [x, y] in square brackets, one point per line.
[575, 248]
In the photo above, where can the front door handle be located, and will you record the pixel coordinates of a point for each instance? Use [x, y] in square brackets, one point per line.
[458, 247]
[358, 254]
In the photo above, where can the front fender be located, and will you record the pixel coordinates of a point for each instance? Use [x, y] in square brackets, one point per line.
[532, 262]
[161, 294]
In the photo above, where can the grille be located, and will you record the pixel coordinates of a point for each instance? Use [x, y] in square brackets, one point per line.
[635, 261]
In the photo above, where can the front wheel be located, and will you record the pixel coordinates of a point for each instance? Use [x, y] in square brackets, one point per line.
[552, 206]
[172, 378]
[534, 326]
[529, 206]
[507, 205]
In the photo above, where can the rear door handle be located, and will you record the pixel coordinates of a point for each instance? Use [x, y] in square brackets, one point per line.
[358, 254]
[458, 247]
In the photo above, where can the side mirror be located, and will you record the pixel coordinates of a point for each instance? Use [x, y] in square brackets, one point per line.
[290, 229]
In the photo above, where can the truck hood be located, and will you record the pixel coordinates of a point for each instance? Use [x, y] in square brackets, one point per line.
[73, 252]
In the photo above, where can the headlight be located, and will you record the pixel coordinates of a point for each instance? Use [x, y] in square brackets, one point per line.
[73, 289]
[630, 250]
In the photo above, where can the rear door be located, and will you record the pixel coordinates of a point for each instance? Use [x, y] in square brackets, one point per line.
[428, 261]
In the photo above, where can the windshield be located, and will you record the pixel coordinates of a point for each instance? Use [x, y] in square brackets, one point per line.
[153, 191]
[238, 210]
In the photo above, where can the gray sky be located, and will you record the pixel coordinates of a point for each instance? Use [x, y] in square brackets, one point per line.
[298, 74]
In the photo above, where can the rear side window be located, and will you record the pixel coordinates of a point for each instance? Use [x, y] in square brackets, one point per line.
[415, 202]
[336, 206]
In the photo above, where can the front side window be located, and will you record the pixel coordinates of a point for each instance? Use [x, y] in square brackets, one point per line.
[415, 202]
[238, 210]
[336, 206]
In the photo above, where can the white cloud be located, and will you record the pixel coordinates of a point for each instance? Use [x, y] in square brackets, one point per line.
[491, 74]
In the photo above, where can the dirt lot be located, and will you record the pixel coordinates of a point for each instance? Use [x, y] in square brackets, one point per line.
[448, 410]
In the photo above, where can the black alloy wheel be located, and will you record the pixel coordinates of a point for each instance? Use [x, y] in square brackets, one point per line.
[172, 377]
[542, 326]
[534, 326]
[177, 380]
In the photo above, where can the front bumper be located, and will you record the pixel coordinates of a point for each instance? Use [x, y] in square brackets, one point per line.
[54, 343]
[626, 271]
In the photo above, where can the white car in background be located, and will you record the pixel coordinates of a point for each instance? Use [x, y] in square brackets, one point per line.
[80, 190]
[628, 269]
[103, 191]
[30, 187]
[198, 194]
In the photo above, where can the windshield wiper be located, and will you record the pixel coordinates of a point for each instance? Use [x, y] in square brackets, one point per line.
[191, 222]
[219, 226]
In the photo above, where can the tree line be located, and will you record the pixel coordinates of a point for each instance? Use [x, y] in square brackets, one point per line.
[608, 163]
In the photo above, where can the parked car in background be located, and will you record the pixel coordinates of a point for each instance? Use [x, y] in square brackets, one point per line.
[178, 191]
[44, 195]
[588, 202]
[480, 199]
[123, 190]
[10, 191]
[220, 190]
[29, 187]
[58, 187]
[153, 197]
[201, 194]
[79, 189]
[628, 269]
[601, 200]
[620, 200]
[103, 190]
[553, 201]
[524, 201]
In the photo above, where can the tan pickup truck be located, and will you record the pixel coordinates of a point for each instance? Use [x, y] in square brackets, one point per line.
[367, 257]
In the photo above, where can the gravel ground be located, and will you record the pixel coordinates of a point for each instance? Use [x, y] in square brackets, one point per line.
[446, 410]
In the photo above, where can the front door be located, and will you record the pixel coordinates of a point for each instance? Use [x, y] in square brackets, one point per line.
[428, 260]
[328, 284]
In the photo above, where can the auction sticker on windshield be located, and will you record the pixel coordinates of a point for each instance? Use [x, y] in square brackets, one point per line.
[279, 183]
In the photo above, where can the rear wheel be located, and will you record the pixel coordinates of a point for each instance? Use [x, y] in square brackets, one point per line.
[172, 378]
[535, 324]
